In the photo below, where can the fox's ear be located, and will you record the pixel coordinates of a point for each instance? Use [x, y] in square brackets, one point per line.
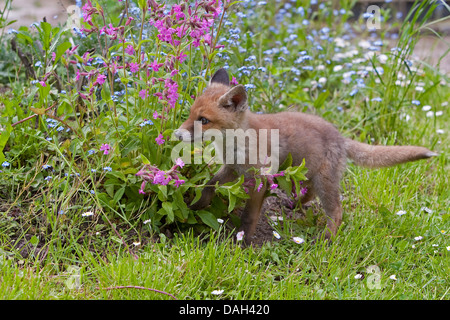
[235, 99]
[221, 76]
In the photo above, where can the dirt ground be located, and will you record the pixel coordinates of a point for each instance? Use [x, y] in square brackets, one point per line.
[28, 11]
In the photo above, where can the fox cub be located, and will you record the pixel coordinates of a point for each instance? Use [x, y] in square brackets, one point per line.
[304, 136]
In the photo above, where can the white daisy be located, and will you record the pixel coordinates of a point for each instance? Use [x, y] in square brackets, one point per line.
[298, 240]
[217, 292]
[240, 235]
[427, 210]
[276, 235]
[87, 214]
[358, 276]
[401, 212]
[392, 277]
[418, 238]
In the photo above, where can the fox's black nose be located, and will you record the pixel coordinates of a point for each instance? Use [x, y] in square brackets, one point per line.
[179, 135]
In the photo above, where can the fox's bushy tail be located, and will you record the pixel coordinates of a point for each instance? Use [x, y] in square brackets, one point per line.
[384, 156]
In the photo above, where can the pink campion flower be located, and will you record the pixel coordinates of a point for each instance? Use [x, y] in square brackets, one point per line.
[156, 115]
[178, 12]
[88, 10]
[207, 38]
[273, 186]
[43, 83]
[234, 81]
[159, 177]
[181, 31]
[143, 94]
[111, 31]
[160, 139]
[179, 182]
[129, 20]
[53, 56]
[172, 92]
[100, 79]
[260, 186]
[181, 57]
[83, 96]
[179, 162]
[303, 191]
[105, 148]
[141, 190]
[155, 65]
[134, 67]
[129, 50]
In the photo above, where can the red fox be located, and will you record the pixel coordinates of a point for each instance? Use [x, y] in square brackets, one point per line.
[302, 135]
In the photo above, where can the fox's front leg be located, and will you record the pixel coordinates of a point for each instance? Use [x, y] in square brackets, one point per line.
[251, 213]
[224, 175]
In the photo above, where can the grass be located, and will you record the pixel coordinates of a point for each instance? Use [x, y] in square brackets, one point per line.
[190, 268]
[379, 253]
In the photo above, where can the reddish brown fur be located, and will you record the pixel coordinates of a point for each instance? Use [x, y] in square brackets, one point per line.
[305, 136]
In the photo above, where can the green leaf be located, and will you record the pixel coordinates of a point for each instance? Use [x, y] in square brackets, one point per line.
[198, 194]
[286, 163]
[62, 48]
[144, 159]
[209, 219]
[45, 34]
[321, 99]
[231, 201]
[162, 194]
[168, 210]
[4, 139]
[119, 193]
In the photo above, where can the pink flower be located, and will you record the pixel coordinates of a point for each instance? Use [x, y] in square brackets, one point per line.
[181, 57]
[105, 148]
[160, 139]
[273, 186]
[134, 67]
[260, 186]
[179, 13]
[129, 50]
[179, 182]
[43, 83]
[234, 81]
[155, 66]
[100, 79]
[143, 94]
[156, 115]
[179, 162]
[53, 56]
[129, 20]
[172, 92]
[141, 190]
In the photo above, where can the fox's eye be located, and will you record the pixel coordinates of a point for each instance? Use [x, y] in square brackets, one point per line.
[203, 120]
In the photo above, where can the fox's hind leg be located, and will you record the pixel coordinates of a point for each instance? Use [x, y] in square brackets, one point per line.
[326, 184]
